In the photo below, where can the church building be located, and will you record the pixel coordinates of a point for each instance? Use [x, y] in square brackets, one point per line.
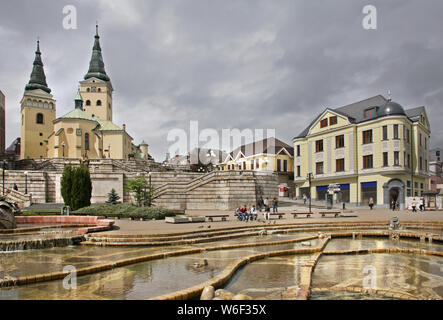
[86, 132]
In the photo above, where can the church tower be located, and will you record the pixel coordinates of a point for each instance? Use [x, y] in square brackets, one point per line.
[37, 112]
[96, 89]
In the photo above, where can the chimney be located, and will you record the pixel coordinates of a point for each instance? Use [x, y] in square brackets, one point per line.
[124, 127]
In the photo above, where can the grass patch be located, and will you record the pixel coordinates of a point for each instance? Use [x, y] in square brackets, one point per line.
[40, 213]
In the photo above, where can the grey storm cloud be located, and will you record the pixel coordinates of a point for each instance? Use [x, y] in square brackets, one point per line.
[228, 64]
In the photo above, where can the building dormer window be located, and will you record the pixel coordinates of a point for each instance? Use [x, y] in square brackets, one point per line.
[369, 113]
[332, 120]
[324, 123]
[99, 102]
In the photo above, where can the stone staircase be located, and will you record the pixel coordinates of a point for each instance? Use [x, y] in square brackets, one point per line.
[22, 200]
[184, 187]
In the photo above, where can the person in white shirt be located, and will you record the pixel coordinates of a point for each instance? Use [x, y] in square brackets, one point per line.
[253, 213]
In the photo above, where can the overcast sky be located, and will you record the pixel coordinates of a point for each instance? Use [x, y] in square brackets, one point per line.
[227, 63]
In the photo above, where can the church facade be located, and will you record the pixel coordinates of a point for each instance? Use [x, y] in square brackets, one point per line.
[86, 132]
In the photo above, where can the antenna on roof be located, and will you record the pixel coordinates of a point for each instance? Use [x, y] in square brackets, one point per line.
[389, 95]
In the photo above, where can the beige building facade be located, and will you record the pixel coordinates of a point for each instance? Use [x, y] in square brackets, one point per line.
[370, 149]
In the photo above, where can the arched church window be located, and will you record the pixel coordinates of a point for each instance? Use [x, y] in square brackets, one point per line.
[99, 102]
[51, 106]
[28, 102]
[39, 119]
[88, 90]
[86, 141]
[99, 90]
[93, 89]
[88, 102]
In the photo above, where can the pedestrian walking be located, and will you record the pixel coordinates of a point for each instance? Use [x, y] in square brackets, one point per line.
[414, 205]
[275, 205]
[305, 198]
[371, 203]
[260, 204]
[422, 202]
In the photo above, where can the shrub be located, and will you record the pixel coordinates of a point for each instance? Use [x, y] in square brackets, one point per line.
[113, 197]
[127, 209]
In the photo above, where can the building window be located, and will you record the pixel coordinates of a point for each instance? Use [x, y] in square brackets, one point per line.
[340, 165]
[385, 132]
[396, 158]
[88, 103]
[426, 143]
[421, 164]
[257, 164]
[99, 90]
[395, 131]
[298, 151]
[319, 146]
[369, 113]
[385, 159]
[88, 90]
[86, 141]
[324, 123]
[340, 141]
[408, 139]
[409, 161]
[332, 120]
[426, 165]
[99, 102]
[285, 165]
[367, 136]
[244, 165]
[420, 139]
[229, 167]
[278, 165]
[368, 162]
[39, 118]
[298, 171]
[93, 89]
[252, 164]
[319, 168]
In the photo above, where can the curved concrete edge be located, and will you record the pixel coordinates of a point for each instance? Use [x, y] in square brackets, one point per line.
[228, 273]
[383, 292]
[281, 225]
[101, 240]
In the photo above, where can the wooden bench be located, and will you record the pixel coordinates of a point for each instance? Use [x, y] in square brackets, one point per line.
[296, 214]
[280, 215]
[223, 217]
[112, 215]
[332, 213]
[138, 217]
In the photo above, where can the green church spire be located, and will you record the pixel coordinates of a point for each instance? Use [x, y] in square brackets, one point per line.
[96, 65]
[38, 78]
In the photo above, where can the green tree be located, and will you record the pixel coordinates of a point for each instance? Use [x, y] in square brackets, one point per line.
[66, 184]
[142, 190]
[113, 197]
[77, 187]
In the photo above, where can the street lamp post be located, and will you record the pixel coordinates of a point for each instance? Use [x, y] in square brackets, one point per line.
[63, 146]
[3, 176]
[26, 182]
[150, 179]
[310, 179]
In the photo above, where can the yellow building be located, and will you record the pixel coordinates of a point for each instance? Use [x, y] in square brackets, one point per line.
[370, 149]
[85, 132]
[266, 155]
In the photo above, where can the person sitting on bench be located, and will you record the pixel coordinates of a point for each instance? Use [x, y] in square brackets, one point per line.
[245, 214]
[253, 213]
[238, 214]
